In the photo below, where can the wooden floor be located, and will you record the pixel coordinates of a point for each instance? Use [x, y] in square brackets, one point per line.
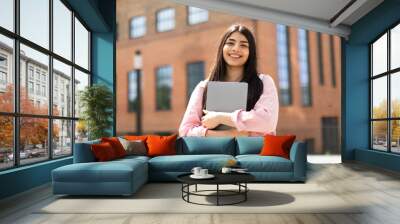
[377, 188]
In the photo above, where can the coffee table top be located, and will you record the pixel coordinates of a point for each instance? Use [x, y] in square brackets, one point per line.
[220, 178]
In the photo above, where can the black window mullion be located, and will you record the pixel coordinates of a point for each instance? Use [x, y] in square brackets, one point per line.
[16, 83]
[50, 87]
[389, 114]
[73, 81]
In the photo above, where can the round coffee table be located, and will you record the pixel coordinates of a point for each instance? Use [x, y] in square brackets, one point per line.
[238, 179]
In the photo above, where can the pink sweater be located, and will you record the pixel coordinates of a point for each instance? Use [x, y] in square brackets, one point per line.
[261, 120]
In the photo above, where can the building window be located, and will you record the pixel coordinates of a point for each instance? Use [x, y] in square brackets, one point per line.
[330, 135]
[35, 54]
[3, 78]
[43, 90]
[285, 88]
[333, 59]
[163, 88]
[165, 19]
[132, 91]
[30, 72]
[385, 97]
[197, 15]
[38, 89]
[138, 26]
[3, 61]
[304, 67]
[320, 59]
[195, 74]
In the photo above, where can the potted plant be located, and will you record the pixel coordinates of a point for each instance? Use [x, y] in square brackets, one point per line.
[96, 102]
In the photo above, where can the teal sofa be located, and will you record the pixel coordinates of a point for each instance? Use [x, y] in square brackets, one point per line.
[125, 176]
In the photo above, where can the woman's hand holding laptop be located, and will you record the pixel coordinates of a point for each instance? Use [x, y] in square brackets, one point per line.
[212, 119]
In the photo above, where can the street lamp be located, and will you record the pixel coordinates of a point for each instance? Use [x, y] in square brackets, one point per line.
[137, 66]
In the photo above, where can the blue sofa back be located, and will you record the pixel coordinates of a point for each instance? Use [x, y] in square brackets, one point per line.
[209, 145]
[192, 146]
[249, 145]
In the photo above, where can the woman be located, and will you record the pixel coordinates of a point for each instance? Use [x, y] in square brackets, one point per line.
[236, 62]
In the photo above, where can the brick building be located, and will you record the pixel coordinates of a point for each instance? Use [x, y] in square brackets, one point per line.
[178, 45]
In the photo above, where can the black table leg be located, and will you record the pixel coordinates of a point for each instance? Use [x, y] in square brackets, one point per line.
[217, 194]
[245, 193]
[196, 188]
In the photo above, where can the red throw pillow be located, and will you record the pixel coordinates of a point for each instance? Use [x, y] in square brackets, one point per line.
[103, 151]
[116, 145]
[161, 145]
[135, 137]
[277, 145]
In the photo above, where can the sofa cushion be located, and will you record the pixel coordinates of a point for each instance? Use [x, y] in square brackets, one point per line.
[257, 163]
[103, 152]
[161, 145]
[83, 152]
[185, 163]
[208, 145]
[277, 145]
[116, 145]
[249, 145]
[111, 171]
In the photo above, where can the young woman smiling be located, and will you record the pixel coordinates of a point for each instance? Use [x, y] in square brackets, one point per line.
[236, 61]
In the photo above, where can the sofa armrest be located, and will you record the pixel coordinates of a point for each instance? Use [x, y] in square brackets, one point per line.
[83, 152]
[298, 155]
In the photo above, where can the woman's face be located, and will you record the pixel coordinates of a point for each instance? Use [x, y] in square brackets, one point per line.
[236, 49]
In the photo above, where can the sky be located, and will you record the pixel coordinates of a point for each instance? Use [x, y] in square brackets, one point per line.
[35, 27]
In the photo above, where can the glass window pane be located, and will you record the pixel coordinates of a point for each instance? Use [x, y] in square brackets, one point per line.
[164, 88]
[6, 142]
[304, 70]
[81, 81]
[35, 21]
[379, 98]
[197, 15]
[138, 26]
[132, 91]
[81, 131]
[283, 65]
[6, 74]
[165, 20]
[379, 56]
[395, 95]
[195, 72]
[7, 14]
[395, 136]
[34, 72]
[379, 135]
[62, 89]
[62, 138]
[62, 29]
[81, 45]
[33, 140]
[395, 47]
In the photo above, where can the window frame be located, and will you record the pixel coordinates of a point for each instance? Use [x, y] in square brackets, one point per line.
[289, 67]
[195, 23]
[158, 20]
[131, 28]
[188, 64]
[157, 109]
[16, 114]
[371, 77]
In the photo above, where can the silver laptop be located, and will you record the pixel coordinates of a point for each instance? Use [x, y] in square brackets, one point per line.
[226, 97]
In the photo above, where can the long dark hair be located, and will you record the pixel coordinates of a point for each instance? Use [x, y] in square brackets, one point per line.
[218, 72]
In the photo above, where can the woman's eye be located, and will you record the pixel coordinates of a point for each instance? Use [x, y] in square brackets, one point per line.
[243, 45]
[230, 43]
